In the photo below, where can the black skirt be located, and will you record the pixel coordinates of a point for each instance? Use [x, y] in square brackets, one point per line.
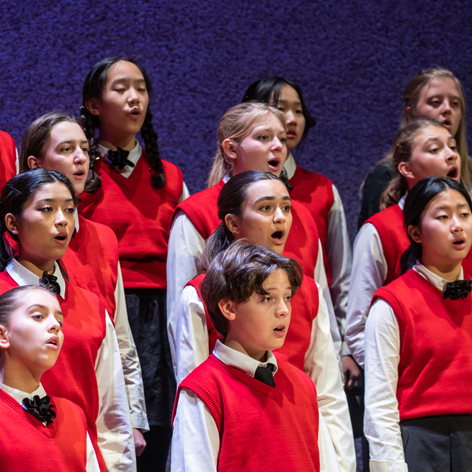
[147, 314]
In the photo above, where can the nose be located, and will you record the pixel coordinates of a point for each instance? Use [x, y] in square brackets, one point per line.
[451, 155]
[54, 327]
[79, 156]
[446, 107]
[61, 219]
[277, 145]
[283, 308]
[456, 224]
[279, 216]
[290, 117]
[133, 96]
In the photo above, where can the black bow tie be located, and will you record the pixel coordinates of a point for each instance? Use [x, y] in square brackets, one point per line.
[51, 282]
[264, 374]
[283, 177]
[119, 158]
[40, 409]
[457, 289]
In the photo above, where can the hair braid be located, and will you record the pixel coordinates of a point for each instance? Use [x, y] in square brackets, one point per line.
[89, 122]
[152, 151]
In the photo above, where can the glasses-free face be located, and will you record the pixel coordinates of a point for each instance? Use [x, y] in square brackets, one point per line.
[263, 148]
[445, 233]
[434, 154]
[266, 216]
[66, 152]
[45, 227]
[440, 100]
[260, 324]
[32, 342]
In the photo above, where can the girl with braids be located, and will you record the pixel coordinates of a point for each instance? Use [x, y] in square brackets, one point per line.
[251, 136]
[51, 431]
[134, 192]
[424, 148]
[419, 341]
[37, 215]
[56, 142]
[317, 193]
[251, 206]
[435, 94]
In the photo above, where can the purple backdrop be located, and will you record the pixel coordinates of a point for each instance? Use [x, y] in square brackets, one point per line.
[352, 60]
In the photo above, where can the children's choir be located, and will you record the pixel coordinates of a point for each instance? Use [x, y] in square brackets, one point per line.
[145, 329]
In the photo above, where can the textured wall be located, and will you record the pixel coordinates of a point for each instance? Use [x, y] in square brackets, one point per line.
[351, 58]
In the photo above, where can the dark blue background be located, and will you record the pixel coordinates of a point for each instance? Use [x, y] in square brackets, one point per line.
[351, 58]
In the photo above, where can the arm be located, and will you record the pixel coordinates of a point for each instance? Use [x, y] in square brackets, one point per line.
[382, 418]
[185, 246]
[320, 278]
[92, 462]
[190, 334]
[369, 270]
[322, 367]
[114, 431]
[195, 441]
[129, 360]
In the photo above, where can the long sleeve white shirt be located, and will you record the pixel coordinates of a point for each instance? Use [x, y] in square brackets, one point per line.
[189, 345]
[369, 271]
[114, 431]
[382, 417]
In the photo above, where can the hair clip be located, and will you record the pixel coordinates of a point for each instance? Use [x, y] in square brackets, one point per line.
[13, 188]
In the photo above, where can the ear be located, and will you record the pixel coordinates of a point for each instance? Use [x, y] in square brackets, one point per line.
[11, 223]
[414, 233]
[227, 308]
[404, 169]
[93, 106]
[32, 162]
[229, 148]
[4, 338]
[407, 111]
[231, 222]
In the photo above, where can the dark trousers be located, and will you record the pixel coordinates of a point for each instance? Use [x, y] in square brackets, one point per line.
[438, 443]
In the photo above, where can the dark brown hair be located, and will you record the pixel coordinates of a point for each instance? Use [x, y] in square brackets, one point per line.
[239, 272]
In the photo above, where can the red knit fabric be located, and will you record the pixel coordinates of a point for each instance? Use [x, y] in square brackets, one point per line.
[140, 217]
[91, 261]
[302, 243]
[305, 306]
[315, 191]
[435, 370]
[390, 225]
[28, 445]
[7, 158]
[262, 428]
[73, 376]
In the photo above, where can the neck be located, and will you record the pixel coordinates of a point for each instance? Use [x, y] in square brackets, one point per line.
[17, 375]
[38, 267]
[260, 356]
[127, 143]
[449, 272]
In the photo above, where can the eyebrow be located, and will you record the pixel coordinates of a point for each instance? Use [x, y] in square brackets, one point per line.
[272, 198]
[446, 207]
[286, 101]
[53, 200]
[126, 79]
[38, 305]
[71, 141]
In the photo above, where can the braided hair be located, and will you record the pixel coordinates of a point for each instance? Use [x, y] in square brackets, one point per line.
[93, 87]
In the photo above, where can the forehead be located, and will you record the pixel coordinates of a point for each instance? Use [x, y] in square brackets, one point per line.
[38, 297]
[440, 86]
[267, 188]
[269, 121]
[123, 70]
[56, 190]
[449, 197]
[432, 132]
[67, 131]
[288, 94]
[277, 280]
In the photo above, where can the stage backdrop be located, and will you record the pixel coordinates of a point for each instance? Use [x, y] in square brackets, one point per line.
[351, 58]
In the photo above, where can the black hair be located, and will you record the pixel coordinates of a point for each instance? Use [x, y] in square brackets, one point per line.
[268, 90]
[230, 202]
[416, 201]
[15, 194]
[93, 88]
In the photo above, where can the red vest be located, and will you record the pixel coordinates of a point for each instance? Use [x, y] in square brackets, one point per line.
[435, 369]
[140, 217]
[315, 192]
[91, 261]
[302, 242]
[262, 428]
[27, 444]
[390, 225]
[305, 305]
[7, 158]
[73, 376]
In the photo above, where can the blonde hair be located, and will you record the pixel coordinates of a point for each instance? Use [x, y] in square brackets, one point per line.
[402, 149]
[236, 125]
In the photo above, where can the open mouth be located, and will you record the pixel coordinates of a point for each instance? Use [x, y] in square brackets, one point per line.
[457, 242]
[274, 163]
[61, 237]
[279, 328]
[453, 173]
[446, 123]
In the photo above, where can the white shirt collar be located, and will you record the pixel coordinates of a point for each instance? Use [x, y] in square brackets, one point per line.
[401, 202]
[241, 361]
[290, 166]
[76, 216]
[434, 279]
[133, 156]
[22, 276]
[18, 395]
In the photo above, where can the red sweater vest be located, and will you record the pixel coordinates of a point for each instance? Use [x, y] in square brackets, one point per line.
[27, 444]
[140, 217]
[262, 428]
[435, 370]
[7, 158]
[305, 305]
[202, 210]
[91, 261]
[73, 376]
[390, 225]
[315, 192]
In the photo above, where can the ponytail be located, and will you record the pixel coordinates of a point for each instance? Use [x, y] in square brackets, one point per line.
[217, 242]
[149, 136]
[89, 122]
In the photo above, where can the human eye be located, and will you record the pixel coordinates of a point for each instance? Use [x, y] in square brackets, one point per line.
[265, 208]
[442, 217]
[85, 150]
[299, 111]
[287, 208]
[37, 316]
[433, 149]
[283, 140]
[262, 137]
[66, 149]
[280, 108]
[45, 209]
[71, 210]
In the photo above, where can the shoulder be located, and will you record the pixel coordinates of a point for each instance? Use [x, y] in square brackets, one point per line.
[6, 139]
[391, 214]
[293, 372]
